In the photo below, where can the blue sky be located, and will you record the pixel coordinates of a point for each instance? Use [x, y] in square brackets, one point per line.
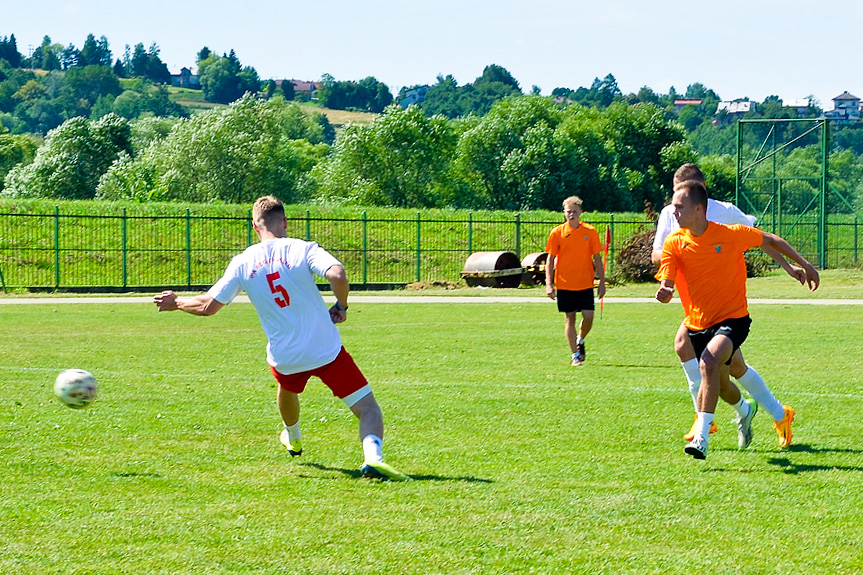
[739, 49]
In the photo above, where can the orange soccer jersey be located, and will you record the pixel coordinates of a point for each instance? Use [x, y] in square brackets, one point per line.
[712, 270]
[573, 250]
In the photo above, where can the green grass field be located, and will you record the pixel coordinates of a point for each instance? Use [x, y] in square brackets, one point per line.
[522, 464]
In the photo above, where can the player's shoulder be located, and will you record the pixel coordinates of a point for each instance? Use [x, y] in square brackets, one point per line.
[588, 227]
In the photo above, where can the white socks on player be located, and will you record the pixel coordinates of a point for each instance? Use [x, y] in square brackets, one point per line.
[741, 407]
[693, 378]
[373, 448]
[294, 432]
[753, 383]
[703, 425]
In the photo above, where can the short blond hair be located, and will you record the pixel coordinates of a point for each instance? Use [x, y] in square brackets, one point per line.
[689, 172]
[572, 201]
[268, 212]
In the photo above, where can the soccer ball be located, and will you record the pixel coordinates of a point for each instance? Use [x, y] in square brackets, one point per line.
[76, 388]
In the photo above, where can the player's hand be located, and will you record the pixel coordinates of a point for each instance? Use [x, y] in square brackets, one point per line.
[166, 301]
[664, 294]
[549, 291]
[337, 315]
[812, 278]
[600, 290]
[797, 273]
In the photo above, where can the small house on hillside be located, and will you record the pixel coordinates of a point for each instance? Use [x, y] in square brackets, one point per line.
[846, 109]
[415, 96]
[799, 105]
[186, 79]
[734, 110]
[303, 90]
[682, 103]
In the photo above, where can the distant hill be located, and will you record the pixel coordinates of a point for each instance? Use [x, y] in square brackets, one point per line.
[194, 101]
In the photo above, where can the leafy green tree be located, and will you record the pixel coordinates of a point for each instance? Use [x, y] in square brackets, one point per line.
[443, 98]
[15, 150]
[68, 165]
[95, 53]
[150, 129]
[527, 153]
[498, 74]
[9, 51]
[368, 95]
[235, 154]
[224, 79]
[84, 85]
[637, 135]
[70, 57]
[288, 91]
[403, 159]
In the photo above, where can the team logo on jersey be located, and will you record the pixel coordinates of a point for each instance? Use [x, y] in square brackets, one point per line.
[585, 237]
[718, 248]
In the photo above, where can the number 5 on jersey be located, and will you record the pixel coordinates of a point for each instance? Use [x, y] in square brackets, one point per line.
[279, 290]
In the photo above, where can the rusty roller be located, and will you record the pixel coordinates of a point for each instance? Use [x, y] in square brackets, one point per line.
[534, 269]
[493, 269]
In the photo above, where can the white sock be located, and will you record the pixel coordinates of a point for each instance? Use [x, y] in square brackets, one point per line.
[579, 340]
[373, 448]
[753, 383]
[693, 378]
[741, 407]
[294, 432]
[704, 421]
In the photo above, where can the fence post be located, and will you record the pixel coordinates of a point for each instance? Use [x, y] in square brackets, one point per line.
[125, 250]
[248, 228]
[308, 226]
[188, 249]
[469, 233]
[822, 220]
[611, 248]
[419, 249]
[365, 248]
[855, 241]
[56, 246]
[518, 235]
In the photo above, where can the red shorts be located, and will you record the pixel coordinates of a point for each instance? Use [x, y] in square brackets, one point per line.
[341, 375]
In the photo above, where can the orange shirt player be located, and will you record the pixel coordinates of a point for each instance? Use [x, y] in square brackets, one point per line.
[573, 261]
[709, 257]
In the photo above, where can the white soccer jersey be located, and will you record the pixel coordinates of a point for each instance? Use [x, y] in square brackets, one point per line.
[718, 212]
[279, 278]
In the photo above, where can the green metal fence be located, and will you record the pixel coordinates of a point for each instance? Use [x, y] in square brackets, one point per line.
[73, 252]
[87, 252]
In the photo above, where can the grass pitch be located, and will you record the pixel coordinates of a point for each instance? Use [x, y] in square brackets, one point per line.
[522, 464]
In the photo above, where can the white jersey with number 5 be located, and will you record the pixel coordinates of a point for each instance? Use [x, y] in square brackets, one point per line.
[279, 278]
[718, 212]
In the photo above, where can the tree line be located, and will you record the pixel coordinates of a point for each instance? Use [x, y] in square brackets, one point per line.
[526, 153]
[479, 145]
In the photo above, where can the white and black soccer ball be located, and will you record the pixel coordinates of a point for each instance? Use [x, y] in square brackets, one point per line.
[76, 388]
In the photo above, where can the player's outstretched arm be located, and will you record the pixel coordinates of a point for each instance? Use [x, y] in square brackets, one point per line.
[811, 277]
[795, 272]
[197, 305]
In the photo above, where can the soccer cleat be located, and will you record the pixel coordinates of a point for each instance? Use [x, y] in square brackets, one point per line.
[295, 447]
[691, 434]
[576, 360]
[783, 428]
[582, 355]
[744, 426]
[381, 470]
[697, 448]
